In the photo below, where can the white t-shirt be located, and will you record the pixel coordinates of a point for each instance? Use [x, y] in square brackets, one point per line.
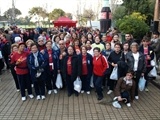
[136, 59]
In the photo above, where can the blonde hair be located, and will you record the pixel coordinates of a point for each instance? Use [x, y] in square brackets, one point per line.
[29, 40]
[14, 45]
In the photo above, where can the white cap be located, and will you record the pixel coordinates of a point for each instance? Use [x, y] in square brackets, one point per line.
[17, 39]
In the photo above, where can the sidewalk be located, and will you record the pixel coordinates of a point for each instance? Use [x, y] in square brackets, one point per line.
[85, 107]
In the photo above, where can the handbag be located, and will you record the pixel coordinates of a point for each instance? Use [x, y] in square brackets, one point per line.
[153, 63]
[77, 84]
[114, 74]
[141, 84]
[59, 83]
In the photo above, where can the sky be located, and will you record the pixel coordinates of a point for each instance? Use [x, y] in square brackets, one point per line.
[67, 5]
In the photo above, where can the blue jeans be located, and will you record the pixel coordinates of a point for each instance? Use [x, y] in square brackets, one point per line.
[125, 94]
[97, 81]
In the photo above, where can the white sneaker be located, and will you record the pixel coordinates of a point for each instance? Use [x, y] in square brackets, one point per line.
[32, 85]
[18, 90]
[43, 97]
[55, 91]
[88, 92]
[49, 92]
[23, 98]
[128, 104]
[116, 104]
[31, 96]
[136, 97]
[109, 92]
[82, 91]
[38, 97]
[146, 89]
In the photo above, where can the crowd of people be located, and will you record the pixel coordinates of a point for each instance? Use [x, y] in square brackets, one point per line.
[35, 57]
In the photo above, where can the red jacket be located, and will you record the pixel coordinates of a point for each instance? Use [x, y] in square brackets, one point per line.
[100, 65]
[21, 68]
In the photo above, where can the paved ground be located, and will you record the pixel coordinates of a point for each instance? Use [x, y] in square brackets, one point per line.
[84, 107]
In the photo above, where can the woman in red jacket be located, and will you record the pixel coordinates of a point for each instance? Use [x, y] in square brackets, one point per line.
[100, 66]
[20, 61]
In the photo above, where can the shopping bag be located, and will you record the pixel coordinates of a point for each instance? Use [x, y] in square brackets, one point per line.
[1, 55]
[91, 82]
[59, 83]
[77, 84]
[141, 84]
[114, 74]
[153, 72]
[153, 63]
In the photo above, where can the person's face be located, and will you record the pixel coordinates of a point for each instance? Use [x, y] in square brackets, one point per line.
[49, 45]
[40, 42]
[155, 36]
[70, 50]
[76, 43]
[134, 49]
[57, 39]
[74, 35]
[97, 40]
[34, 49]
[62, 36]
[116, 38]
[125, 47]
[96, 53]
[15, 49]
[21, 48]
[89, 36]
[117, 48]
[108, 47]
[129, 76]
[84, 51]
[67, 39]
[145, 43]
[61, 45]
[127, 36]
[88, 44]
[29, 44]
[83, 39]
[104, 38]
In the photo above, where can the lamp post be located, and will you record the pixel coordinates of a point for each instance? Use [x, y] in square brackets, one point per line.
[105, 19]
[156, 16]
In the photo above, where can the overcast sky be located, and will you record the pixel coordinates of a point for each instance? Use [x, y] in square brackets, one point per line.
[66, 5]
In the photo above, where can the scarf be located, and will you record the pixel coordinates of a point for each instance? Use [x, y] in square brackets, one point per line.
[36, 59]
[128, 82]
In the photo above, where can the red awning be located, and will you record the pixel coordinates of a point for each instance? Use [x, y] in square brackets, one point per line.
[64, 21]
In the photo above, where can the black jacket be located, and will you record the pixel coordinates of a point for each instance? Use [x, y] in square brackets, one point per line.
[76, 67]
[141, 63]
[150, 52]
[89, 64]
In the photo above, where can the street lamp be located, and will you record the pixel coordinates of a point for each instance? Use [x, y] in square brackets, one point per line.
[156, 16]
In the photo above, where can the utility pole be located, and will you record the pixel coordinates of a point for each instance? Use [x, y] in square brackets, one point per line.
[13, 13]
[156, 16]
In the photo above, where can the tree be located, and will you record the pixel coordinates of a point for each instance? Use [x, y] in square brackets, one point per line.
[134, 24]
[89, 14]
[39, 11]
[9, 13]
[56, 13]
[69, 15]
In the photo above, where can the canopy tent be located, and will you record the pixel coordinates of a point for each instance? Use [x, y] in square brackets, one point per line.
[64, 21]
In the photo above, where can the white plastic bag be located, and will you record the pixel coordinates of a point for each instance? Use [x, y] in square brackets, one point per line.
[59, 83]
[141, 84]
[153, 72]
[114, 74]
[91, 82]
[153, 63]
[77, 84]
[1, 55]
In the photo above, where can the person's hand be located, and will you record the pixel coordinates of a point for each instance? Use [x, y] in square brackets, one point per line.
[18, 62]
[42, 51]
[119, 98]
[142, 74]
[58, 71]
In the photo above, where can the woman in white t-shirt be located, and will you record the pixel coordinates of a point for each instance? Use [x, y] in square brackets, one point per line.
[136, 62]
